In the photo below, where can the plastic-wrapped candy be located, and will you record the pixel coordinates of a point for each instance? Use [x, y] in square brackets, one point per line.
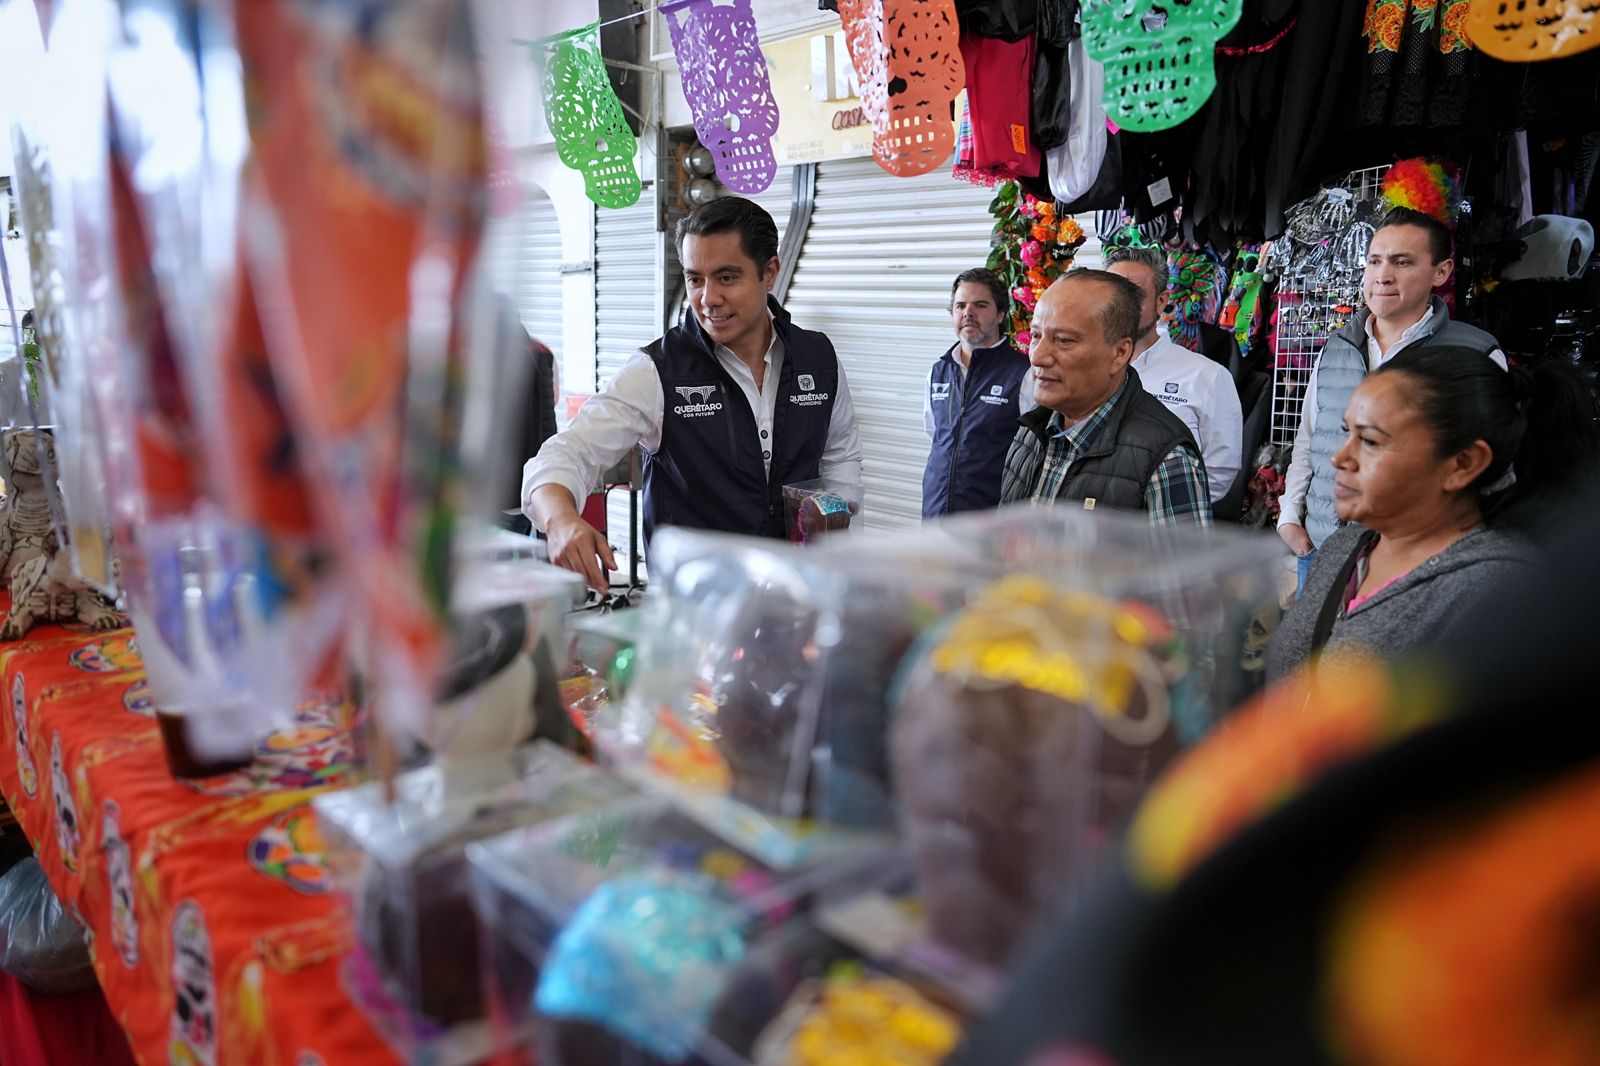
[813, 509]
[1024, 738]
[624, 926]
[403, 867]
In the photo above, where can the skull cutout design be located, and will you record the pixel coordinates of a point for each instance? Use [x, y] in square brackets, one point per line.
[729, 91]
[27, 772]
[68, 832]
[119, 875]
[194, 1007]
[584, 114]
[1521, 31]
[908, 63]
[1157, 56]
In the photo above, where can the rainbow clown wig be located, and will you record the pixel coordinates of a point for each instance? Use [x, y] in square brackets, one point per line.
[1432, 187]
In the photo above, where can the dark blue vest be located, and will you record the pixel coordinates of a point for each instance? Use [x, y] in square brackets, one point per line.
[974, 420]
[709, 472]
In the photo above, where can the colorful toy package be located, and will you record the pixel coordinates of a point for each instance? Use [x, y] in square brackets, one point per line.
[814, 509]
[624, 934]
[402, 864]
[367, 193]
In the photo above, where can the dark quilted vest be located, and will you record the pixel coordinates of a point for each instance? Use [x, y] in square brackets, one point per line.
[1118, 463]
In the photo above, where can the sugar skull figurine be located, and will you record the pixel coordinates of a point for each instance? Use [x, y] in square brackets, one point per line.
[592, 136]
[1157, 56]
[27, 772]
[729, 91]
[907, 61]
[68, 833]
[119, 877]
[194, 986]
[1521, 31]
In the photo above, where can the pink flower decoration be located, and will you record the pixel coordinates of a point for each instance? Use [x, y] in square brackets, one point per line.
[1032, 253]
[1024, 339]
[1021, 294]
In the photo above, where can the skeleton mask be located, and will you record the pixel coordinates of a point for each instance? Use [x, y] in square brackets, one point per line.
[592, 136]
[725, 80]
[194, 1008]
[27, 772]
[1157, 56]
[119, 877]
[1521, 31]
[67, 830]
[909, 67]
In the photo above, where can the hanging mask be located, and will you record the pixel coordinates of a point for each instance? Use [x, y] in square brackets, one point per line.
[1157, 56]
[909, 67]
[582, 109]
[726, 83]
[1522, 31]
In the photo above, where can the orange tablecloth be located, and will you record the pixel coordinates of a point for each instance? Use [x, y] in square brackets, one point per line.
[214, 935]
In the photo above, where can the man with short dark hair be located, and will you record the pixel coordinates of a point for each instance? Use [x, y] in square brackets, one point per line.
[1097, 435]
[1194, 388]
[970, 408]
[730, 405]
[1408, 257]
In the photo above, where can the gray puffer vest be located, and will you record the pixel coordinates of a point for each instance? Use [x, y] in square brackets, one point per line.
[1340, 368]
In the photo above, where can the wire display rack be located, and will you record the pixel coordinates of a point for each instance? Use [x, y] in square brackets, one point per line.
[1320, 259]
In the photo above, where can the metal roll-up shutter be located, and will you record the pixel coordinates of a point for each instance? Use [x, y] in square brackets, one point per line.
[874, 275]
[522, 253]
[538, 273]
[625, 315]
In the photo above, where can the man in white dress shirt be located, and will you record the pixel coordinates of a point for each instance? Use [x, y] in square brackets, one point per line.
[1197, 390]
[730, 405]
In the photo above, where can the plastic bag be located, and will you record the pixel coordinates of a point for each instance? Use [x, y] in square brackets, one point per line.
[40, 944]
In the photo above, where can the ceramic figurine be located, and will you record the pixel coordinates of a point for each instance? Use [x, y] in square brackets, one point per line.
[38, 574]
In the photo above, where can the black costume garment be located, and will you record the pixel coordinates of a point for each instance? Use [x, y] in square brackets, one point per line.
[1324, 54]
[1052, 96]
[1233, 135]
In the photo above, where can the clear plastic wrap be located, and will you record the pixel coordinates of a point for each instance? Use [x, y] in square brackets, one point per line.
[727, 701]
[363, 210]
[501, 682]
[820, 508]
[60, 151]
[1000, 689]
[628, 934]
[403, 867]
[40, 944]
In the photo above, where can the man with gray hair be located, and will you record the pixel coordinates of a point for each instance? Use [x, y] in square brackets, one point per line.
[1194, 388]
[1097, 435]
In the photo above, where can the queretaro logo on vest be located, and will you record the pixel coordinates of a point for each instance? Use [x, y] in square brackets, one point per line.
[996, 396]
[697, 402]
[808, 396]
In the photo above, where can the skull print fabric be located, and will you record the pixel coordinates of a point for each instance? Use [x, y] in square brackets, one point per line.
[728, 88]
[908, 64]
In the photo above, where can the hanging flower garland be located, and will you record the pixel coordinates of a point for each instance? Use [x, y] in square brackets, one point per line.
[1030, 247]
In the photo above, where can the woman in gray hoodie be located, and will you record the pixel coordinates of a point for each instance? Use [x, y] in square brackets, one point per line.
[1439, 442]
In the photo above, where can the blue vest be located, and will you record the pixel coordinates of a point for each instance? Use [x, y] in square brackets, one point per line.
[974, 419]
[708, 472]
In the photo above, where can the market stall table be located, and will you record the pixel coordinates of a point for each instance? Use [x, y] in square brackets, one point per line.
[214, 934]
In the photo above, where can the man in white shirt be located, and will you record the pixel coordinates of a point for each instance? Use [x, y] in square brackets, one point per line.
[730, 405]
[1408, 258]
[1194, 388]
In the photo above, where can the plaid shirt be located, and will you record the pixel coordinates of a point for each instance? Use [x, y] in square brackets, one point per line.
[1177, 491]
